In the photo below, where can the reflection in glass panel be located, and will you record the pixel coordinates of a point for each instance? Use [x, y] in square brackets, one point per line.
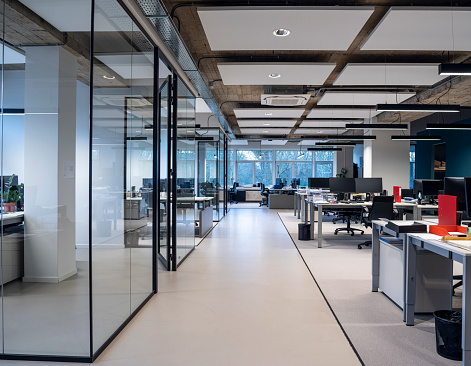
[186, 156]
[122, 176]
[44, 157]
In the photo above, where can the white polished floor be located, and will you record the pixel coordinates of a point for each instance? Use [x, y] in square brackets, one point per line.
[243, 297]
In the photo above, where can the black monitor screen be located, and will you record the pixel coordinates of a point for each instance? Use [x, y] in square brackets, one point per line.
[431, 187]
[456, 187]
[467, 189]
[342, 185]
[369, 185]
[318, 182]
[407, 193]
[417, 186]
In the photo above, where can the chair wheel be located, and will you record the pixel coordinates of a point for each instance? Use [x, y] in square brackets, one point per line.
[335, 232]
[352, 234]
[362, 232]
[359, 246]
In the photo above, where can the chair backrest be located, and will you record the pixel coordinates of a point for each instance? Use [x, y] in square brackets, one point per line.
[262, 187]
[383, 207]
[234, 187]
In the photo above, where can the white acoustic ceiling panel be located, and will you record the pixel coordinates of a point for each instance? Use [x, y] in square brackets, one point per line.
[238, 142]
[74, 15]
[274, 142]
[311, 28]
[325, 123]
[422, 28]
[266, 123]
[269, 113]
[315, 131]
[251, 73]
[265, 131]
[362, 98]
[342, 113]
[389, 74]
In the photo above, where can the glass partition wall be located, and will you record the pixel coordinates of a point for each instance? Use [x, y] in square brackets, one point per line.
[86, 126]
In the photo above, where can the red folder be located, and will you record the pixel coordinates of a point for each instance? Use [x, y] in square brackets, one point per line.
[446, 210]
[397, 192]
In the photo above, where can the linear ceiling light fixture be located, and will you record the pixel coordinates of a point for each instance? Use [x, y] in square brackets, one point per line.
[350, 137]
[448, 126]
[324, 149]
[281, 32]
[333, 143]
[454, 69]
[417, 108]
[376, 126]
[411, 138]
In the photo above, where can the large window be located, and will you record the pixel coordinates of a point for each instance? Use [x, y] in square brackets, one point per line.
[324, 164]
[264, 166]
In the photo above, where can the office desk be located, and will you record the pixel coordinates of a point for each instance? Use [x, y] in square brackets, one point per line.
[454, 253]
[280, 201]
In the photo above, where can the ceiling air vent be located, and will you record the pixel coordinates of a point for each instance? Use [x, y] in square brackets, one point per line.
[285, 100]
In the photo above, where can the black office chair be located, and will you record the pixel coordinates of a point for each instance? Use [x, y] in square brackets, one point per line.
[348, 215]
[233, 193]
[382, 208]
[264, 192]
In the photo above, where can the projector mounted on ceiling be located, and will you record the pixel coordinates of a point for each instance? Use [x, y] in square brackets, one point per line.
[285, 100]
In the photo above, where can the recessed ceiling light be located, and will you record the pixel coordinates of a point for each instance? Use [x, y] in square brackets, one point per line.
[109, 77]
[274, 76]
[319, 131]
[266, 124]
[268, 114]
[281, 32]
[265, 131]
[138, 131]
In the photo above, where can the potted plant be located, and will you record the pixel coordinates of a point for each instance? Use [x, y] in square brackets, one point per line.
[12, 195]
[342, 173]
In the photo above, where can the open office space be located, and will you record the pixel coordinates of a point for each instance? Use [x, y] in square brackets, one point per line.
[213, 183]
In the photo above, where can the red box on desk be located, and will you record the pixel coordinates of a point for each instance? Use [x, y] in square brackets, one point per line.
[445, 230]
[446, 210]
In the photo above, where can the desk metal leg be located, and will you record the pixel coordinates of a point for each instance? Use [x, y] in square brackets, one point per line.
[304, 217]
[311, 219]
[375, 257]
[319, 226]
[298, 208]
[411, 268]
[417, 213]
[295, 203]
[466, 304]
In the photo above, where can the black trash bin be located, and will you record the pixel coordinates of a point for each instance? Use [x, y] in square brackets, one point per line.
[304, 231]
[448, 334]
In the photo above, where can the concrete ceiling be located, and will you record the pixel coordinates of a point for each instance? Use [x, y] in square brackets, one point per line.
[217, 34]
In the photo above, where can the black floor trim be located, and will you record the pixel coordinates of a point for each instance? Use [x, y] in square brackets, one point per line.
[322, 293]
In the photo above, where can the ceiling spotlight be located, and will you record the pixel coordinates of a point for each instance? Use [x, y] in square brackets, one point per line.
[107, 77]
[274, 76]
[268, 114]
[281, 32]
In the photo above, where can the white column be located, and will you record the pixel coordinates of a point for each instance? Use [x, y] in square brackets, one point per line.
[387, 159]
[50, 134]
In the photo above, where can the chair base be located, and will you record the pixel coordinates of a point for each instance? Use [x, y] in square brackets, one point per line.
[348, 230]
[366, 244]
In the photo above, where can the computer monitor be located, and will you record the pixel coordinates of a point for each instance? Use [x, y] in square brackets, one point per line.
[407, 193]
[467, 190]
[455, 186]
[342, 185]
[279, 182]
[318, 182]
[427, 187]
[430, 188]
[368, 185]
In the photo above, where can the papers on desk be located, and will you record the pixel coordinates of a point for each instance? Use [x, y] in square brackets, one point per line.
[462, 244]
[428, 236]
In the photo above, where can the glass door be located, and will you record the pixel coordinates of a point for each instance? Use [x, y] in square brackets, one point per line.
[164, 181]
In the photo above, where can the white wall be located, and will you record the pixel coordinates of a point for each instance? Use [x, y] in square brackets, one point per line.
[387, 159]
